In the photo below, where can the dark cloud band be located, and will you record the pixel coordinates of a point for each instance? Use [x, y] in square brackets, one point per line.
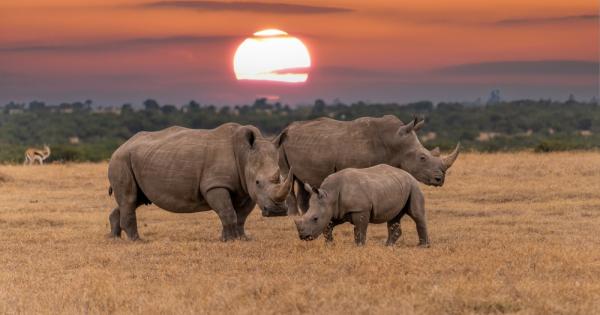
[259, 7]
[121, 44]
[548, 20]
[525, 67]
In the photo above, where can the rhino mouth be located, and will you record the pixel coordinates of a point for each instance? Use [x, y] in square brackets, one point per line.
[307, 237]
[436, 181]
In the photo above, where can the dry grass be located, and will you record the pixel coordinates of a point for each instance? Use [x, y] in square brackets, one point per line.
[511, 233]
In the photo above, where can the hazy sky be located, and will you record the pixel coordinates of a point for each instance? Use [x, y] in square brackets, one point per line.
[128, 50]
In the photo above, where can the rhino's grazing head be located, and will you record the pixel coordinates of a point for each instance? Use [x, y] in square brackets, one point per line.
[428, 167]
[318, 216]
[259, 171]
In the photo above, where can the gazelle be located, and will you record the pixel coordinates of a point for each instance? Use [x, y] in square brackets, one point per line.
[32, 155]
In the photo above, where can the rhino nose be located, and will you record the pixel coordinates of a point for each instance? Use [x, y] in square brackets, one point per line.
[438, 178]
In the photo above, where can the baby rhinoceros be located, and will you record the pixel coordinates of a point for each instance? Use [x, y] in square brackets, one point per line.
[377, 194]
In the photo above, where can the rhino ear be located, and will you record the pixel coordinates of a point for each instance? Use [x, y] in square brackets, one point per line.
[322, 193]
[245, 136]
[249, 137]
[406, 129]
[419, 125]
[280, 138]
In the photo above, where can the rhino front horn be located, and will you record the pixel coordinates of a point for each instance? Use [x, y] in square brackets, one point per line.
[449, 160]
[284, 189]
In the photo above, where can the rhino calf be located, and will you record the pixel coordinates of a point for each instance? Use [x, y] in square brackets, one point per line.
[377, 194]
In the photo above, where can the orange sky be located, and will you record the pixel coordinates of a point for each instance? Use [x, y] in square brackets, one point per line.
[174, 51]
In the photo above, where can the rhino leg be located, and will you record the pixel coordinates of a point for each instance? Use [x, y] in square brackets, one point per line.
[219, 200]
[303, 197]
[115, 226]
[417, 213]
[128, 220]
[394, 230]
[128, 196]
[328, 232]
[361, 222]
[291, 202]
[242, 213]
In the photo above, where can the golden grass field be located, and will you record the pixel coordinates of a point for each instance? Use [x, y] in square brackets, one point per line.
[510, 233]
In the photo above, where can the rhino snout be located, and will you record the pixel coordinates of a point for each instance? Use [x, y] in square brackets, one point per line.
[438, 180]
[305, 236]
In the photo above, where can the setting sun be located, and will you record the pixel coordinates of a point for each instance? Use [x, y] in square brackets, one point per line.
[272, 55]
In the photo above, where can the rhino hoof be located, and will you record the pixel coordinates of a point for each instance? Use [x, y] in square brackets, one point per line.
[245, 238]
[111, 236]
[228, 238]
[424, 245]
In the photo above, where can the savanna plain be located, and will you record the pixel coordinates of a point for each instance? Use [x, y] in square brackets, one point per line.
[510, 233]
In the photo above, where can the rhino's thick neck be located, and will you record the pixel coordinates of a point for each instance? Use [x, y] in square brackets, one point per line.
[395, 146]
[241, 160]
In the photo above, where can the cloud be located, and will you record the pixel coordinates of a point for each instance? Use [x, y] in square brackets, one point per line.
[548, 20]
[524, 67]
[257, 7]
[121, 44]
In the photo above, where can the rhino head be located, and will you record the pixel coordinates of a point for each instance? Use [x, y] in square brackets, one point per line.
[318, 216]
[259, 172]
[428, 167]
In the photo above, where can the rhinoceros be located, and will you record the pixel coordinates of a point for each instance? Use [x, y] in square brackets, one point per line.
[318, 148]
[377, 194]
[228, 169]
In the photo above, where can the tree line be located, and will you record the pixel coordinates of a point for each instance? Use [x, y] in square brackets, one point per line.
[82, 131]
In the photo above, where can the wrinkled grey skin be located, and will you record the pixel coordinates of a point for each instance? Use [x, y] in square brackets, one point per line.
[228, 169]
[376, 194]
[318, 148]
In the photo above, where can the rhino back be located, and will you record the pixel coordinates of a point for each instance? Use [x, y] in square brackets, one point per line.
[382, 188]
[316, 149]
[176, 166]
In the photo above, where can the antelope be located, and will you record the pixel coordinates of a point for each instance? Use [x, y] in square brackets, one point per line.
[32, 155]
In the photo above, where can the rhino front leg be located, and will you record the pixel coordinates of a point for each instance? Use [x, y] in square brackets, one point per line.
[328, 232]
[361, 222]
[292, 204]
[394, 230]
[219, 200]
[302, 198]
[242, 214]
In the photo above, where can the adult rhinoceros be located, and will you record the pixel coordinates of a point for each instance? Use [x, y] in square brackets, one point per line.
[317, 148]
[228, 169]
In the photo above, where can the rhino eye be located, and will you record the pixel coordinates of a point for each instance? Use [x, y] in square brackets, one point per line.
[257, 182]
[423, 158]
[315, 219]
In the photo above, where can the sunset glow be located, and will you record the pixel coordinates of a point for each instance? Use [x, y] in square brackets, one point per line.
[272, 55]
[383, 50]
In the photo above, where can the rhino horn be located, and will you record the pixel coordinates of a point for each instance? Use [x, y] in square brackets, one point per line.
[436, 152]
[449, 160]
[285, 188]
